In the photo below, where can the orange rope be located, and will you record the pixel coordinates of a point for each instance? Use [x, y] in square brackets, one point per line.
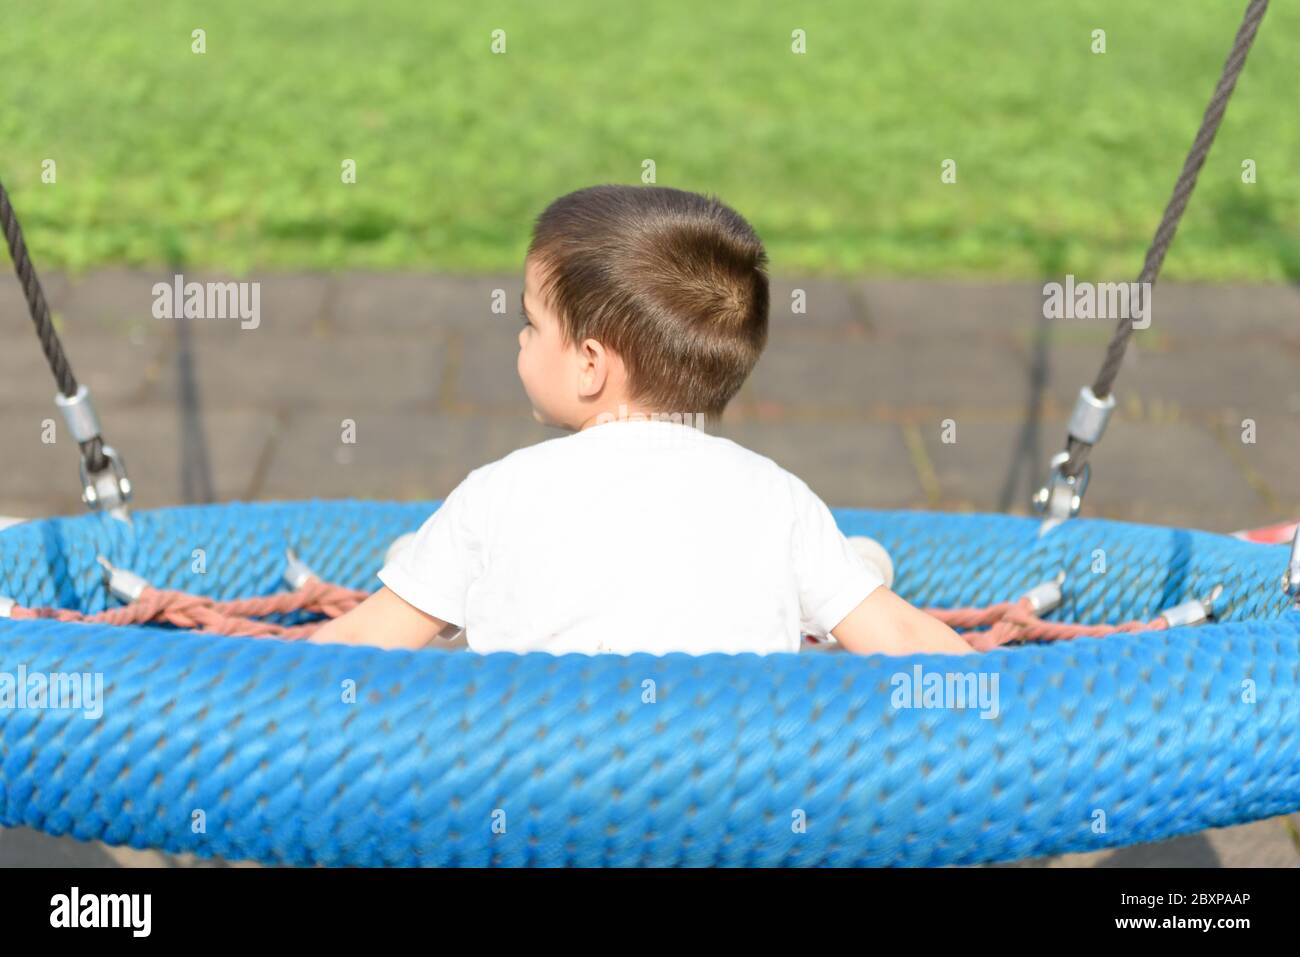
[235, 617]
[313, 595]
[1010, 621]
[1016, 621]
[983, 628]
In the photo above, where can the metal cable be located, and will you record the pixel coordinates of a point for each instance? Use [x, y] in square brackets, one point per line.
[92, 450]
[1077, 449]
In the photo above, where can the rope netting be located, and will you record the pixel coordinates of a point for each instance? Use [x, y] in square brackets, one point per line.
[236, 618]
[984, 628]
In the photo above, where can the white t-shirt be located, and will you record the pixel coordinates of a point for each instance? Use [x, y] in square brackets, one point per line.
[633, 536]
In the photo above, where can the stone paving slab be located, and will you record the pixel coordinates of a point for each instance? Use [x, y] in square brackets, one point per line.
[916, 308]
[821, 302]
[404, 303]
[850, 394]
[24, 847]
[352, 375]
[1266, 843]
[1177, 474]
[808, 372]
[121, 368]
[861, 464]
[395, 456]
[223, 453]
[1196, 311]
[1270, 461]
[485, 376]
[107, 301]
[1251, 378]
[1173, 475]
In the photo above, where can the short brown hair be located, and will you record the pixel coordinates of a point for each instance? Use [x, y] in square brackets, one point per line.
[671, 281]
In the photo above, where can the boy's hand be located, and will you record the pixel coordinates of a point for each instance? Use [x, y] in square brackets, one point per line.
[383, 620]
[884, 624]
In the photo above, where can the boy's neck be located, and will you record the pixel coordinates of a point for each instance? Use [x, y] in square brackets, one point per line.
[635, 413]
[622, 412]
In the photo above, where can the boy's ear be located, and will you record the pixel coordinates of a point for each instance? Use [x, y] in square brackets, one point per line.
[594, 366]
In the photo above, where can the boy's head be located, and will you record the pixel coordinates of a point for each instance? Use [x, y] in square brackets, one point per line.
[643, 296]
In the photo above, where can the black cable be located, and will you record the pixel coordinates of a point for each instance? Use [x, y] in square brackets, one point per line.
[1164, 235]
[92, 450]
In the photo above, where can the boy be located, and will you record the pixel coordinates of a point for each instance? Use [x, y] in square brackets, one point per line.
[644, 309]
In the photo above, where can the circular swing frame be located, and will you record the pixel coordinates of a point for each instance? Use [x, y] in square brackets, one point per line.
[287, 753]
[283, 753]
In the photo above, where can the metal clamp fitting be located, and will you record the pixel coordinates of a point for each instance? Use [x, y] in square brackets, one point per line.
[1193, 612]
[1046, 597]
[79, 413]
[108, 488]
[126, 586]
[296, 572]
[1291, 579]
[1061, 497]
[1090, 416]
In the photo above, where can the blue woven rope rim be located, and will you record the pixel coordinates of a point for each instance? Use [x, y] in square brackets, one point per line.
[788, 759]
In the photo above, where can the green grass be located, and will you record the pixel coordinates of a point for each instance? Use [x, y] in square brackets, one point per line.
[232, 158]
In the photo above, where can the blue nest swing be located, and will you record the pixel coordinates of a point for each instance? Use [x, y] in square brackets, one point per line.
[461, 759]
[298, 754]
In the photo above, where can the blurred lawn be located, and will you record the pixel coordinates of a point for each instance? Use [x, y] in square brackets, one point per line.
[1065, 158]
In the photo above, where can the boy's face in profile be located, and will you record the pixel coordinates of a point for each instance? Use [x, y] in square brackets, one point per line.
[546, 367]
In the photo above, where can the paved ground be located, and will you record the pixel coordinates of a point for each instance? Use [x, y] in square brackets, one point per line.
[852, 396]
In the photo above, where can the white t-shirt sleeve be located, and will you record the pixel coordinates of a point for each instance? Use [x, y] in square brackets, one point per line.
[832, 578]
[435, 572]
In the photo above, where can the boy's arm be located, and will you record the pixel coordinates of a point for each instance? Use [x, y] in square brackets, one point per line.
[433, 569]
[383, 620]
[885, 624]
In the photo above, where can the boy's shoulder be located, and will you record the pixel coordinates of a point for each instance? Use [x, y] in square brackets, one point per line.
[559, 451]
